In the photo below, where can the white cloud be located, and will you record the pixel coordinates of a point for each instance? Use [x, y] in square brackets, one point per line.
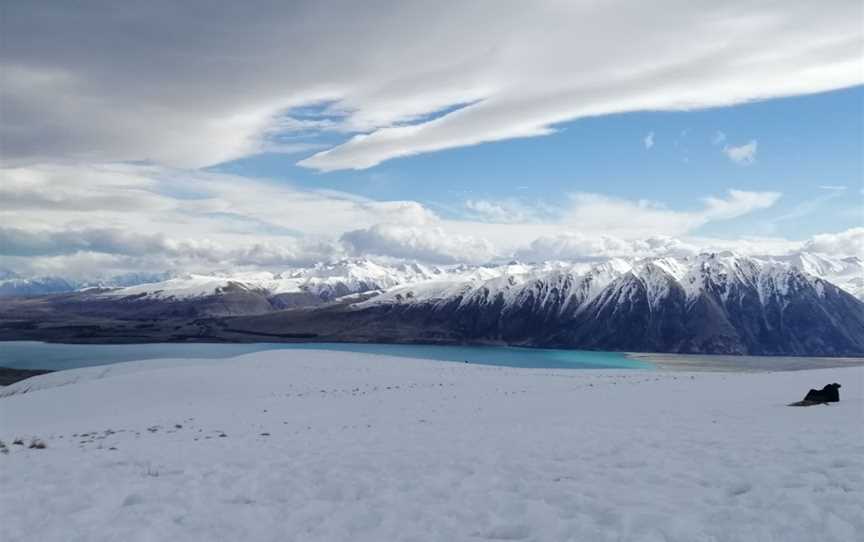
[130, 246]
[414, 243]
[845, 243]
[750, 245]
[508, 211]
[152, 198]
[742, 154]
[807, 207]
[833, 187]
[648, 140]
[601, 214]
[221, 83]
[20, 242]
[432, 245]
[493, 211]
[156, 218]
[737, 203]
[579, 246]
[117, 217]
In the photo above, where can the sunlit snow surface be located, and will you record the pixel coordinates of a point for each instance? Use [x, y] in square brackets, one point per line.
[330, 446]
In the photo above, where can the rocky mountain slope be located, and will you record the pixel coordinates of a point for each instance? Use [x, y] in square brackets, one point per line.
[712, 303]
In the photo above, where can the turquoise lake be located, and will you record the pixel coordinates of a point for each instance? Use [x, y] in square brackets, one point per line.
[38, 355]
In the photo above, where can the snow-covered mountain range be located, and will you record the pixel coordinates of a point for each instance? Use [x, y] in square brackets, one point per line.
[708, 303]
[332, 280]
[338, 279]
[577, 284]
[804, 304]
[14, 284]
[328, 281]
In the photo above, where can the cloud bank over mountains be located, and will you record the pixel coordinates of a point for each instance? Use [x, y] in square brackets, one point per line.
[86, 219]
[86, 82]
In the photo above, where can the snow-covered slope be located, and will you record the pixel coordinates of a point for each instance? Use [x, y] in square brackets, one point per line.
[324, 446]
[329, 280]
[12, 284]
[847, 273]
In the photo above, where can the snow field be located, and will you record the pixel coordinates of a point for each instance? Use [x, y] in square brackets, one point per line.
[336, 446]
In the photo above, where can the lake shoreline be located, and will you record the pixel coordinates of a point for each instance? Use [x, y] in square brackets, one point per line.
[12, 369]
[58, 356]
[741, 364]
[661, 362]
[670, 358]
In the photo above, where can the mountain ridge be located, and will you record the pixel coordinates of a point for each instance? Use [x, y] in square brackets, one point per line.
[356, 275]
[718, 303]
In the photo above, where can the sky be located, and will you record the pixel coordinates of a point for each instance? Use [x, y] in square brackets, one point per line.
[223, 136]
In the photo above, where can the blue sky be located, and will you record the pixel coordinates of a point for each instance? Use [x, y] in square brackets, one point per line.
[805, 144]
